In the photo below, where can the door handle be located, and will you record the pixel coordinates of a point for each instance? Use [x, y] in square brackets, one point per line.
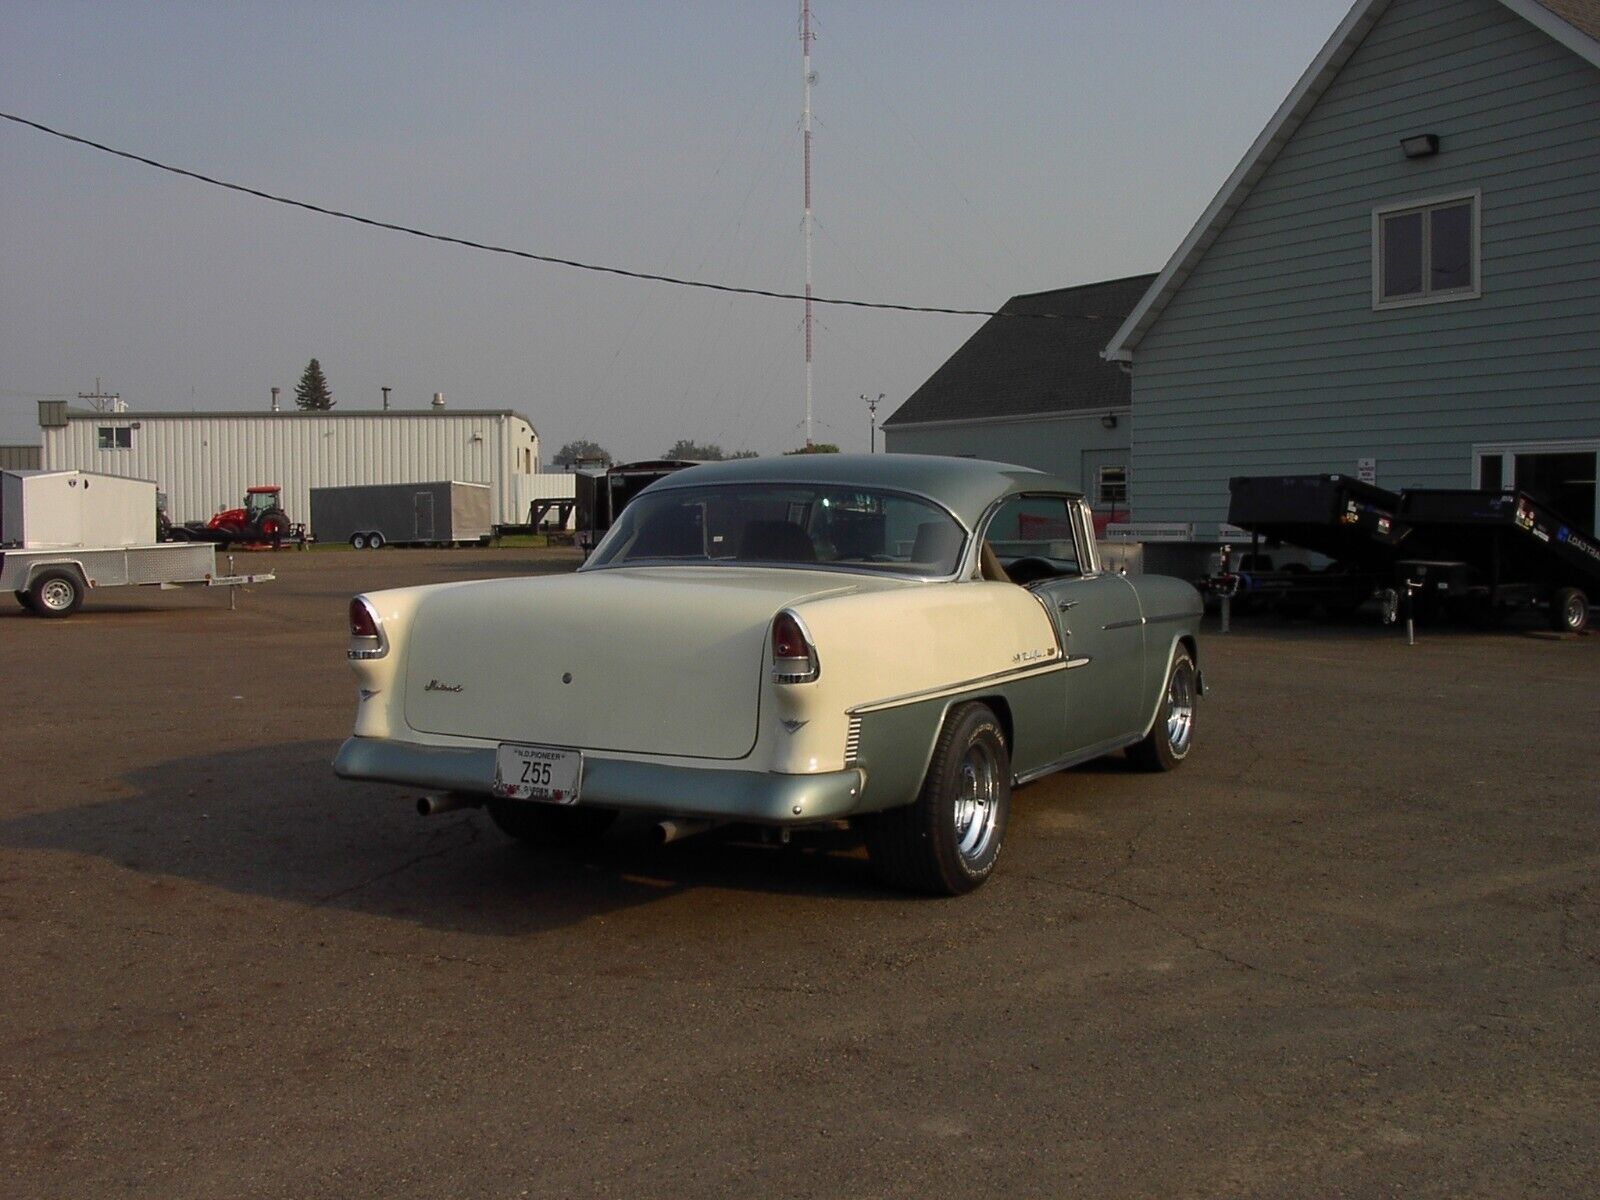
[1066, 604]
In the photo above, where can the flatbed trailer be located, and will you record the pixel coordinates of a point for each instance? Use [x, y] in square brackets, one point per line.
[54, 582]
[1491, 552]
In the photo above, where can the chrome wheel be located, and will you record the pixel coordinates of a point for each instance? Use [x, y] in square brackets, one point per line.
[976, 811]
[57, 595]
[1180, 707]
[1575, 611]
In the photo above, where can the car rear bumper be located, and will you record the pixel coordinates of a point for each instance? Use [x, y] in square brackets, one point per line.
[758, 796]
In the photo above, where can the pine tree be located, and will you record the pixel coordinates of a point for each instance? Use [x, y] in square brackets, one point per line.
[313, 393]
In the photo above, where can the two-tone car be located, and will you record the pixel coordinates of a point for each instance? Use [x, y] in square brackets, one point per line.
[896, 640]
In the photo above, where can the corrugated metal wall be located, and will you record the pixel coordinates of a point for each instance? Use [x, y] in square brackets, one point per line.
[19, 458]
[1270, 359]
[204, 462]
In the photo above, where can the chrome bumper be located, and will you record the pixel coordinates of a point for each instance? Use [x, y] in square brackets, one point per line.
[613, 783]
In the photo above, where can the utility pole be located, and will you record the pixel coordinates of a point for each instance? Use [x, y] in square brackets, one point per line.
[385, 392]
[805, 58]
[872, 416]
[101, 399]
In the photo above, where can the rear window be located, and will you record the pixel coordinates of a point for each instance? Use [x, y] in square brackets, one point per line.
[786, 525]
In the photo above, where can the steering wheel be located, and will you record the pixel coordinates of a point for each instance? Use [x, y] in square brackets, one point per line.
[1031, 570]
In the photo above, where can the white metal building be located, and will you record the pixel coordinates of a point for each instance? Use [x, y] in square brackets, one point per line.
[204, 461]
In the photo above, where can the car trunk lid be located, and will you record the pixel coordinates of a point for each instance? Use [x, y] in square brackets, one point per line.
[663, 660]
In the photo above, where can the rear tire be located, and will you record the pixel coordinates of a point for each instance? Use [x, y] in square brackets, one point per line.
[1569, 611]
[1172, 736]
[358, 541]
[948, 840]
[56, 593]
[375, 540]
[551, 824]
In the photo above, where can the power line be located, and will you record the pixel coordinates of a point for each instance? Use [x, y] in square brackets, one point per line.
[527, 254]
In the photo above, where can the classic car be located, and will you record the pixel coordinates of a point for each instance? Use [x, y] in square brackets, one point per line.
[896, 640]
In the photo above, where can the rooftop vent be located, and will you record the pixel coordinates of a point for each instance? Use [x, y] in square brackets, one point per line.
[438, 399]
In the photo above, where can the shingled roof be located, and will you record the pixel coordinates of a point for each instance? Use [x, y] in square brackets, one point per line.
[1020, 365]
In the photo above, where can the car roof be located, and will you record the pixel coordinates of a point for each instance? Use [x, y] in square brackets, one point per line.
[966, 486]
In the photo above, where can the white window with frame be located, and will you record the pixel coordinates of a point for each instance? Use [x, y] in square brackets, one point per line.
[114, 437]
[1111, 486]
[1426, 251]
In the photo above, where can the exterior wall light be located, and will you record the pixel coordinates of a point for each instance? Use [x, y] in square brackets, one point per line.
[1420, 145]
[1109, 420]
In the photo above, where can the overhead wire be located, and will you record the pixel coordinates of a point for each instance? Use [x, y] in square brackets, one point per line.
[550, 259]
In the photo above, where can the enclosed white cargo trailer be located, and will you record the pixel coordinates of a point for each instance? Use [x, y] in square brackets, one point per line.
[44, 509]
[65, 533]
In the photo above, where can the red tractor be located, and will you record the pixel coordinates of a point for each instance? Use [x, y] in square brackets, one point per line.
[260, 521]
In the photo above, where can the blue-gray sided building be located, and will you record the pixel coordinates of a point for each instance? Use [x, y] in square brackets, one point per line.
[1401, 281]
[1030, 387]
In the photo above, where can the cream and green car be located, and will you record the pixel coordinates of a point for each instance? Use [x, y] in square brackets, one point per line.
[897, 640]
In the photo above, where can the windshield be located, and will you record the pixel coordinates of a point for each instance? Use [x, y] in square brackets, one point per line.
[788, 524]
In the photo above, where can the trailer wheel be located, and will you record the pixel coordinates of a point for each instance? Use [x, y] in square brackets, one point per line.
[375, 540]
[56, 593]
[1569, 611]
[358, 541]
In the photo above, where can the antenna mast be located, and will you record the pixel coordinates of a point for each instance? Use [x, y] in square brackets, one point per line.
[805, 56]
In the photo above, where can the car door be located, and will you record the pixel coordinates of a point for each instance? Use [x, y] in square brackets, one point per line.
[1096, 614]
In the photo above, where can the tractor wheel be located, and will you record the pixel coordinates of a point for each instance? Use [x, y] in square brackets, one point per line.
[273, 526]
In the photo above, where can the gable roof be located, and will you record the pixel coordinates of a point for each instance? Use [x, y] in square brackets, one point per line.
[1573, 23]
[1017, 365]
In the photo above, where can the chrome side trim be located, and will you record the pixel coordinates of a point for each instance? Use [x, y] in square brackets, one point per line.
[951, 689]
[1081, 661]
[1137, 621]
[1188, 616]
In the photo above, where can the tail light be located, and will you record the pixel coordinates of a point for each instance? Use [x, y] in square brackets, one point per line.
[366, 631]
[794, 658]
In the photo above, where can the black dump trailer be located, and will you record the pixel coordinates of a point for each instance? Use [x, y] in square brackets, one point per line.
[602, 495]
[1352, 523]
[1486, 553]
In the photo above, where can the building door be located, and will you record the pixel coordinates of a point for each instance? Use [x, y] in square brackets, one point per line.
[1561, 476]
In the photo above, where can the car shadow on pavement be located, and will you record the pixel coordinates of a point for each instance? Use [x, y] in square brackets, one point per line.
[275, 822]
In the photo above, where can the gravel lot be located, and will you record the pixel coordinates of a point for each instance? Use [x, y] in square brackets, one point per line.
[1351, 948]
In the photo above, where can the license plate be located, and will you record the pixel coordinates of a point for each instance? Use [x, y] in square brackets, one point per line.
[542, 773]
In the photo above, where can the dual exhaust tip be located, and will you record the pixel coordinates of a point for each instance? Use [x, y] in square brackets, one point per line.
[671, 829]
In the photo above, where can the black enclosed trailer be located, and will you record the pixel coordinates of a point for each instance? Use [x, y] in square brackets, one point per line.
[602, 495]
[1490, 552]
[1353, 524]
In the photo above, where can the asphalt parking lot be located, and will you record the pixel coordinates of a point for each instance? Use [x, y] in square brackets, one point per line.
[1352, 948]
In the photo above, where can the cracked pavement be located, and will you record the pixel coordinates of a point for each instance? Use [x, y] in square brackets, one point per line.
[1351, 948]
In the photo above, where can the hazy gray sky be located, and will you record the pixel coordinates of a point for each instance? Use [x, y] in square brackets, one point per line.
[963, 152]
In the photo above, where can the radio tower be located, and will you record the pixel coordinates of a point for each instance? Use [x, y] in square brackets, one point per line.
[805, 56]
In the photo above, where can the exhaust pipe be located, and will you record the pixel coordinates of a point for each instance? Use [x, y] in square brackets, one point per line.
[443, 802]
[677, 828]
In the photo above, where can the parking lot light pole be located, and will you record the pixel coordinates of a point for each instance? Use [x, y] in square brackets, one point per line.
[872, 417]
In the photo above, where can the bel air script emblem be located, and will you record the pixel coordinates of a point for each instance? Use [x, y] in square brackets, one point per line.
[1028, 656]
[435, 686]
